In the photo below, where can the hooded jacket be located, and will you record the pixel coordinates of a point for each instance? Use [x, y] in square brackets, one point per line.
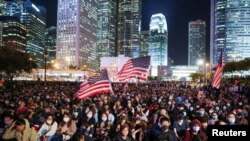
[28, 134]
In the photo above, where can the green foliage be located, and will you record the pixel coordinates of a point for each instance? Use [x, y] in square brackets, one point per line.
[196, 76]
[241, 66]
[13, 62]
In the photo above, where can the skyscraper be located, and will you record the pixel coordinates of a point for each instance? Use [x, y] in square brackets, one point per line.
[76, 32]
[129, 26]
[230, 31]
[106, 28]
[13, 7]
[13, 33]
[158, 42]
[50, 42]
[34, 17]
[196, 41]
[144, 43]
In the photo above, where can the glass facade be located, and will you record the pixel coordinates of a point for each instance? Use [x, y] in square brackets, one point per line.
[230, 30]
[158, 42]
[106, 29]
[34, 17]
[13, 33]
[196, 41]
[129, 27]
[144, 43]
[50, 42]
[76, 32]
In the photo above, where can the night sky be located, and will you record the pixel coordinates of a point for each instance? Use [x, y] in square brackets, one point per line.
[177, 12]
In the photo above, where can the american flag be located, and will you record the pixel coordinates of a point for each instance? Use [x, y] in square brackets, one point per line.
[218, 73]
[95, 85]
[135, 68]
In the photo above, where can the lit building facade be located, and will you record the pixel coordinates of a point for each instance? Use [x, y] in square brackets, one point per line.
[196, 41]
[34, 17]
[2, 8]
[76, 32]
[144, 43]
[13, 33]
[230, 30]
[158, 42]
[106, 29]
[50, 42]
[129, 27]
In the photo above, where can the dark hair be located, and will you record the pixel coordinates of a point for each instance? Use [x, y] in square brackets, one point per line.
[164, 119]
[123, 127]
[53, 117]
[9, 116]
[20, 122]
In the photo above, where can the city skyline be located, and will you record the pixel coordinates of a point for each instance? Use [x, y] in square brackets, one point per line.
[230, 30]
[178, 14]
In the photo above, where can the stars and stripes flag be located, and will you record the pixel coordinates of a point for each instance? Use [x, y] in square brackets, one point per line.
[135, 68]
[218, 72]
[95, 85]
[1, 81]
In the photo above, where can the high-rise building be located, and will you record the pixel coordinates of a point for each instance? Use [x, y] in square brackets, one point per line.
[106, 29]
[230, 30]
[50, 42]
[2, 8]
[13, 7]
[144, 43]
[218, 29]
[76, 32]
[158, 42]
[129, 26]
[13, 33]
[34, 17]
[196, 41]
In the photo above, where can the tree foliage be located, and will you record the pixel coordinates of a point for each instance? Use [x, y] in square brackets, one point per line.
[14, 62]
[196, 76]
[241, 66]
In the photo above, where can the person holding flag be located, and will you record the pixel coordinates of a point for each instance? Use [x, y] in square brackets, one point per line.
[95, 85]
[218, 73]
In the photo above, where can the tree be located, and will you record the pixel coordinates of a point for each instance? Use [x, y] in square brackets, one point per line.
[241, 66]
[196, 76]
[14, 62]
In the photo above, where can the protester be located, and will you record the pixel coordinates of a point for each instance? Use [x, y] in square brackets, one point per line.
[140, 107]
[24, 132]
[195, 133]
[48, 129]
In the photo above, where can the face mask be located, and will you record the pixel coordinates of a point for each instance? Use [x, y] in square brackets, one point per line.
[191, 108]
[169, 103]
[217, 108]
[211, 111]
[184, 113]
[66, 119]
[228, 104]
[224, 107]
[197, 106]
[75, 114]
[214, 117]
[240, 103]
[104, 119]
[89, 115]
[196, 128]
[181, 108]
[202, 112]
[159, 100]
[231, 120]
[49, 122]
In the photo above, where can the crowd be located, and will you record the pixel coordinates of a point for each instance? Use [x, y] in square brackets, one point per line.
[153, 111]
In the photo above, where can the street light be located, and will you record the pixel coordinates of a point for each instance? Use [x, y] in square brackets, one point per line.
[207, 65]
[56, 66]
[84, 69]
[45, 65]
[67, 60]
